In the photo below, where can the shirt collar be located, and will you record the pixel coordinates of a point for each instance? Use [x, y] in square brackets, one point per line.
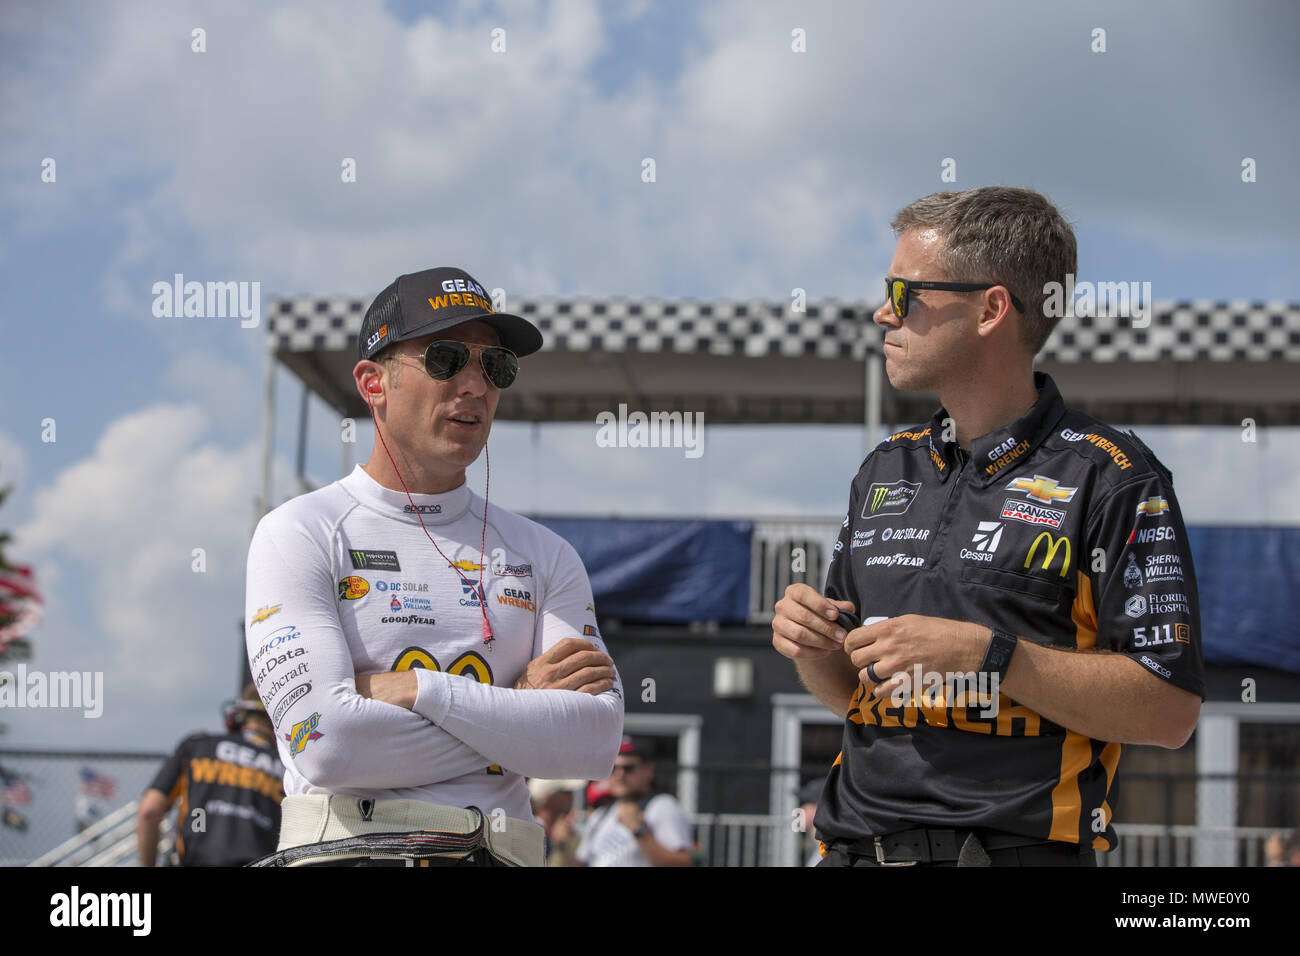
[433, 509]
[1003, 447]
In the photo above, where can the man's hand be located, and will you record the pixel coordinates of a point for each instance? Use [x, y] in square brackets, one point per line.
[572, 664]
[390, 687]
[894, 646]
[629, 814]
[805, 624]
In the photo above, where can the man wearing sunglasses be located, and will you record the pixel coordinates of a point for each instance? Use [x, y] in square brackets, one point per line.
[421, 651]
[1012, 597]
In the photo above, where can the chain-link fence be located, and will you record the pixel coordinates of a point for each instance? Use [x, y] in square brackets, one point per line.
[68, 790]
[53, 795]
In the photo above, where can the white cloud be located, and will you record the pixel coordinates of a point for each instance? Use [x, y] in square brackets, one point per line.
[121, 527]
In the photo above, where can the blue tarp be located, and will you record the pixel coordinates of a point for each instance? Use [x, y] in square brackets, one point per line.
[1249, 583]
[677, 571]
[664, 571]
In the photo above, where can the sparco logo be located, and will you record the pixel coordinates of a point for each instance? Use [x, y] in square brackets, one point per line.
[1155, 667]
[892, 498]
[423, 509]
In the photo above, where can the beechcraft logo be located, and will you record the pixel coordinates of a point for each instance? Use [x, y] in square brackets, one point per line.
[892, 498]
[1043, 489]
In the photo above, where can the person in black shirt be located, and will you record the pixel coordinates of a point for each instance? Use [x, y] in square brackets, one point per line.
[1012, 596]
[229, 789]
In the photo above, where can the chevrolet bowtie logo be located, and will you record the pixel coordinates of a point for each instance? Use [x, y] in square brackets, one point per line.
[1153, 506]
[264, 612]
[1042, 489]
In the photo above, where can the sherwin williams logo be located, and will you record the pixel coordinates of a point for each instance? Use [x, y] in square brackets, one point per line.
[1043, 489]
[892, 498]
[1154, 507]
[375, 560]
[353, 587]
[303, 733]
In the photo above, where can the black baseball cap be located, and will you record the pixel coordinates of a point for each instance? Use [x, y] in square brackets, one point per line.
[421, 303]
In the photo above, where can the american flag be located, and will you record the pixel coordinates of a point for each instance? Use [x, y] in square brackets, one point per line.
[16, 794]
[13, 791]
[96, 785]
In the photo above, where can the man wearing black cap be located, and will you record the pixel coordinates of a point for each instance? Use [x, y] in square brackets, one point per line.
[432, 650]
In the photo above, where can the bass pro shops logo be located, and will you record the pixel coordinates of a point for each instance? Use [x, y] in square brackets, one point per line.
[889, 498]
[303, 733]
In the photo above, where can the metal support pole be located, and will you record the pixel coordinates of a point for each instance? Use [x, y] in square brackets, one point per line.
[302, 441]
[268, 437]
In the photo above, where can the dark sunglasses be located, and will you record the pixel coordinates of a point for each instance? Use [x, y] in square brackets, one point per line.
[899, 292]
[444, 360]
[625, 767]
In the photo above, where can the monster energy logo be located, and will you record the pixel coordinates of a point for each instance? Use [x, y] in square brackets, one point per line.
[375, 560]
[892, 498]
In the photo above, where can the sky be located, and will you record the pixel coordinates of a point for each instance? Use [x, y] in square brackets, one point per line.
[775, 169]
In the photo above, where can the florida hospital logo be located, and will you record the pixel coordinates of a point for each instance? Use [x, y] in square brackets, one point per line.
[303, 733]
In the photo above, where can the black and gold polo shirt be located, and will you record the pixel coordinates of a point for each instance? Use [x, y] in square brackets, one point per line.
[1055, 528]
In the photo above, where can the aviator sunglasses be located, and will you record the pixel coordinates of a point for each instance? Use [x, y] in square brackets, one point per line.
[444, 360]
[899, 292]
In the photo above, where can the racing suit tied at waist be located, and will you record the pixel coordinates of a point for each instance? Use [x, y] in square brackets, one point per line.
[321, 818]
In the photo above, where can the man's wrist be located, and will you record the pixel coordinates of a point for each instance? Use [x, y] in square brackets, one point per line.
[998, 653]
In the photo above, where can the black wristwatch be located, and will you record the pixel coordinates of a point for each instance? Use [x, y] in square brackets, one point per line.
[998, 656]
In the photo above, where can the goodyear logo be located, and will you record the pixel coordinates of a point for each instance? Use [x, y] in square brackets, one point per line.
[353, 587]
[303, 733]
[1042, 488]
[264, 612]
[1154, 506]
[1053, 543]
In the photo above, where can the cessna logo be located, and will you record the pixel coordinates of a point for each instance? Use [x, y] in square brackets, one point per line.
[1052, 544]
[1043, 489]
[889, 498]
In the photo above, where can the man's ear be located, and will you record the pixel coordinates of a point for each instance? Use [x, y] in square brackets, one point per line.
[369, 376]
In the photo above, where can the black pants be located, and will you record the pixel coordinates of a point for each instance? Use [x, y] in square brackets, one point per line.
[1043, 854]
